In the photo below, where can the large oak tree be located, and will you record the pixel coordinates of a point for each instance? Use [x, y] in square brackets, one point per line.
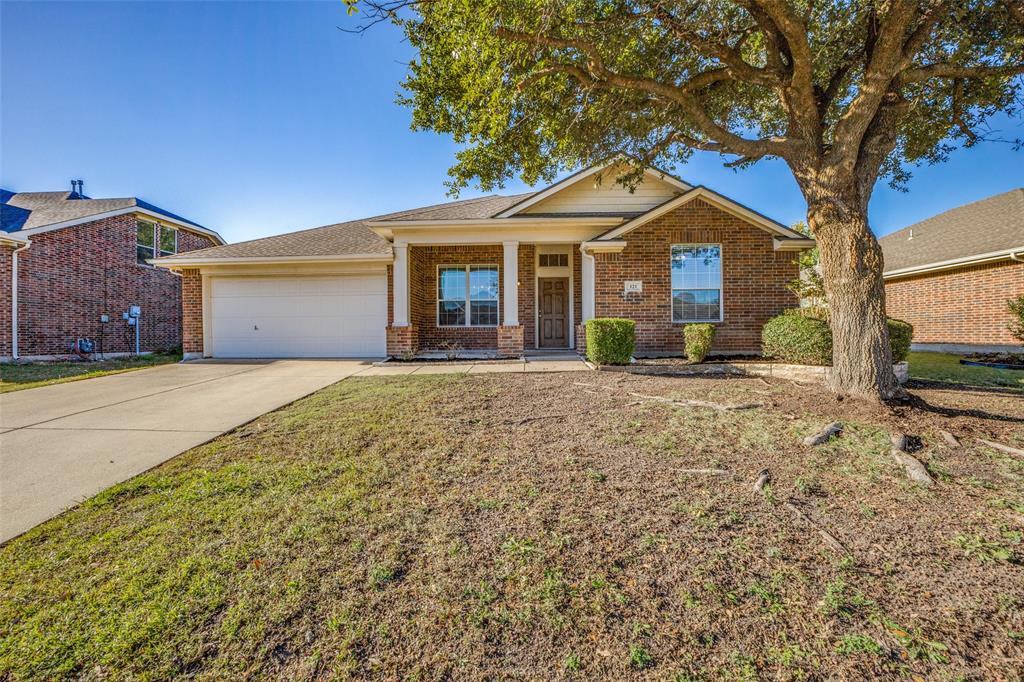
[843, 92]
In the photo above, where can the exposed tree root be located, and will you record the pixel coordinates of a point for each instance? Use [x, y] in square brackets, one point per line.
[823, 436]
[831, 540]
[916, 471]
[950, 439]
[763, 479]
[1016, 452]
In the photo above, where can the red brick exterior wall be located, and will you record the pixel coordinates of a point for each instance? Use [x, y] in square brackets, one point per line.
[191, 311]
[962, 306]
[754, 276]
[69, 277]
[5, 300]
[527, 292]
[423, 262]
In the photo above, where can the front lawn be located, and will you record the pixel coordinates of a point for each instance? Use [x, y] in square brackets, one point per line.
[538, 526]
[946, 367]
[17, 377]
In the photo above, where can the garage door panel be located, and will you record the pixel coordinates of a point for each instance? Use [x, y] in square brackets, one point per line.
[338, 316]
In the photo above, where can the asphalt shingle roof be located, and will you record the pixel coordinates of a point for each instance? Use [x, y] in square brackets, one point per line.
[354, 237]
[28, 210]
[990, 225]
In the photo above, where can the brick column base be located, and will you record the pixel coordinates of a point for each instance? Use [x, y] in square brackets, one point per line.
[581, 339]
[403, 341]
[191, 314]
[510, 341]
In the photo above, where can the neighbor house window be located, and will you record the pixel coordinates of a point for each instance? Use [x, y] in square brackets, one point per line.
[467, 296]
[697, 283]
[168, 241]
[145, 241]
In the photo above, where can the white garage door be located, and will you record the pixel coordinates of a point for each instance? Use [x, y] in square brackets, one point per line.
[299, 317]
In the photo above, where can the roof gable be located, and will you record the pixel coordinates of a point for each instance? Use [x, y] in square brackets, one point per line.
[596, 191]
[715, 199]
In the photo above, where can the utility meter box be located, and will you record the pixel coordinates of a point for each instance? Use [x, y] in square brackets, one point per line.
[132, 321]
[135, 311]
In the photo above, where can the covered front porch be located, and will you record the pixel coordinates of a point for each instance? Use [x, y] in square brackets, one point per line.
[492, 299]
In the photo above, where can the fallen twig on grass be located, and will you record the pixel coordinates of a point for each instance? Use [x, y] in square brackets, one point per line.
[916, 471]
[1002, 448]
[586, 385]
[830, 539]
[716, 472]
[950, 439]
[764, 477]
[823, 436]
[698, 403]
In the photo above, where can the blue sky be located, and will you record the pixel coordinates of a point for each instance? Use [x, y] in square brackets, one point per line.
[256, 118]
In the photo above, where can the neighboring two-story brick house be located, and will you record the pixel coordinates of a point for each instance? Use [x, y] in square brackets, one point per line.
[498, 275]
[71, 266]
[951, 275]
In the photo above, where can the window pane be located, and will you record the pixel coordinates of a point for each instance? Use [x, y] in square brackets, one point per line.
[483, 283]
[695, 304]
[168, 241]
[451, 284]
[697, 266]
[563, 259]
[483, 313]
[143, 253]
[144, 233]
[451, 313]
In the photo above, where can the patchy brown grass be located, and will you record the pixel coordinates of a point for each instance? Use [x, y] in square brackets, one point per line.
[530, 527]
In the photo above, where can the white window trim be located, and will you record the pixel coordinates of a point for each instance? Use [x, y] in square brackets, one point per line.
[159, 250]
[438, 299]
[156, 241]
[672, 289]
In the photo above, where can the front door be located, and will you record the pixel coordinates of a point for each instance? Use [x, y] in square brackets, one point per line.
[554, 312]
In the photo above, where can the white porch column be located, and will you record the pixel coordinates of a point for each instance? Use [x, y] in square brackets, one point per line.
[400, 285]
[587, 270]
[510, 318]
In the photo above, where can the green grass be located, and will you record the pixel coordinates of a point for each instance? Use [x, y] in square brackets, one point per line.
[946, 367]
[18, 377]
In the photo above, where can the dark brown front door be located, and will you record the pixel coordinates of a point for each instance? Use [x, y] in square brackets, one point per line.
[554, 312]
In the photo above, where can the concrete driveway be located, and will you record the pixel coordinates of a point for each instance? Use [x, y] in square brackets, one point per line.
[63, 443]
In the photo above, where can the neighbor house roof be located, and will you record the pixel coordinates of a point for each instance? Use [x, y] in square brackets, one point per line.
[38, 211]
[984, 229]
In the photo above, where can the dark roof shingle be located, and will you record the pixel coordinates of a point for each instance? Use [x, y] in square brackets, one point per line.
[987, 226]
[28, 210]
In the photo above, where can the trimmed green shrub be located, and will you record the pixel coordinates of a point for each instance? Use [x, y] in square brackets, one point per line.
[805, 337]
[797, 338]
[610, 340]
[698, 338]
[900, 333]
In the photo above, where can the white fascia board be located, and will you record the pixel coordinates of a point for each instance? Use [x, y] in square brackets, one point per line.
[186, 262]
[1012, 254]
[158, 217]
[605, 246]
[583, 175]
[712, 197]
[792, 244]
[13, 240]
[492, 230]
[540, 234]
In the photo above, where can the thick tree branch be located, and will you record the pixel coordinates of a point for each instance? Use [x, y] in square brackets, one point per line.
[920, 73]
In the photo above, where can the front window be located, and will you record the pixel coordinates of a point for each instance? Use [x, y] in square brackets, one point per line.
[697, 283]
[168, 241]
[467, 296]
[145, 241]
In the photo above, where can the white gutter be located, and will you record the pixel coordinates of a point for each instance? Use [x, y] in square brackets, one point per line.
[175, 262]
[603, 246]
[14, 298]
[1013, 254]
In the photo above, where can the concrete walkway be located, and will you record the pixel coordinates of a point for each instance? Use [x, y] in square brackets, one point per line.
[63, 443]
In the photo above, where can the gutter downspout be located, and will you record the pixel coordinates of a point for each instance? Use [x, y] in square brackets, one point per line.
[14, 299]
[1017, 256]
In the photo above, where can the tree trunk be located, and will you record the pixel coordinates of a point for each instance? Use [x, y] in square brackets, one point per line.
[851, 268]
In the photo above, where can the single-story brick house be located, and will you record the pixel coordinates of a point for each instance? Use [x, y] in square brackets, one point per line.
[498, 274]
[71, 266]
[951, 275]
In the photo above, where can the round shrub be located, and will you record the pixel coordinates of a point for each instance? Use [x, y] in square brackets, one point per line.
[798, 338]
[698, 338]
[900, 333]
[610, 340]
[804, 337]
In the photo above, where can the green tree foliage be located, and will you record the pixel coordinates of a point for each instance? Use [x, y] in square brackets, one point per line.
[1016, 307]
